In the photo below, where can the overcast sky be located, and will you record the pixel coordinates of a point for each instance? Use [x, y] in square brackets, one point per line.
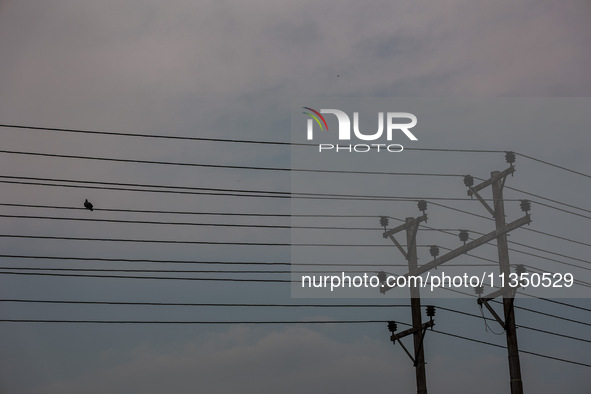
[232, 70]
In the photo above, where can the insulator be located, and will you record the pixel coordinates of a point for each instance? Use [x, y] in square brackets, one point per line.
[430, 310]
[434, 250]
[464, 236]
[510, 157]
[422, 205]
[479, 290]
[392, 326]
[384, 221]
[525, 205]
[382, 276]
[469, 180]
[520, 269]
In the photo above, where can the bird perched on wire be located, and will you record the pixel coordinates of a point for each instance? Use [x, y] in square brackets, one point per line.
[88, 205]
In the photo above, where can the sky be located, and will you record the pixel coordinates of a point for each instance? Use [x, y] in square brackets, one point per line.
[235, 70]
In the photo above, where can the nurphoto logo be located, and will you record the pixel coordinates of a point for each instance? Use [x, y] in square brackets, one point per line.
[393, 126]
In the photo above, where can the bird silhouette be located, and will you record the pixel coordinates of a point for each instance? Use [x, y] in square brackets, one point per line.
[87, 205]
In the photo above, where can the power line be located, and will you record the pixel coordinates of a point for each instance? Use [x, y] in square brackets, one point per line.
[516, 250]
[520, 351]
[200, 224]
[257, 193]
[542, 204]
[154, 136]
[286, 215]
[173, 271]
[553, 165]
[166, 261]
[279, 143]
[271, 281]
[565, 304]
[538, 270]
[252, 192]
[558, 237]
[150, 277]
[522, 228]
[516, 306]
[547, 199]
[212, 322]
[234, 243]
[126, 260]
[109, 159]
[542, 197]
[544, 257]
[563, 210]
[250, 305]
[191, 322]
[519, 325]
[208, 304]
[211, 191]
[66, 258]
[562, 318]
[166, 241]
[182, 138]
[272, 226]
[263, 244]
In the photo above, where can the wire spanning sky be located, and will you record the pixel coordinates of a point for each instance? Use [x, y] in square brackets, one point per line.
[90, 85]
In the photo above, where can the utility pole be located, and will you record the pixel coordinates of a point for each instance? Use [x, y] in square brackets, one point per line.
[411, 226]
[503, 252]
[418, 330]
[497, 181]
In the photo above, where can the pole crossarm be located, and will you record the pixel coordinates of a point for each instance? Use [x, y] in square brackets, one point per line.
[491, 180]
[422, 329]
[465, 248]
[484, 203]
[412, 330]
[400, 248]
[390, 233]
[403, 226]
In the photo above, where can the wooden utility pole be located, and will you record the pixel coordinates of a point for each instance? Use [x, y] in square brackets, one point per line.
[508, 297]
[497, 181]
[412, 227]
[418, 329]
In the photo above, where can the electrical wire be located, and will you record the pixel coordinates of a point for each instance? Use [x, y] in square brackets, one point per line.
[249, 305]
[213, 322]
[207, 213]
[201, 190]
[168, 261]
[120, 160]
[517, 325]
[553, 165]
[280, 143]
[520, 351]
[286, 215]
[271, 226]
[167, 241]
[207, 304]
[150, 277]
